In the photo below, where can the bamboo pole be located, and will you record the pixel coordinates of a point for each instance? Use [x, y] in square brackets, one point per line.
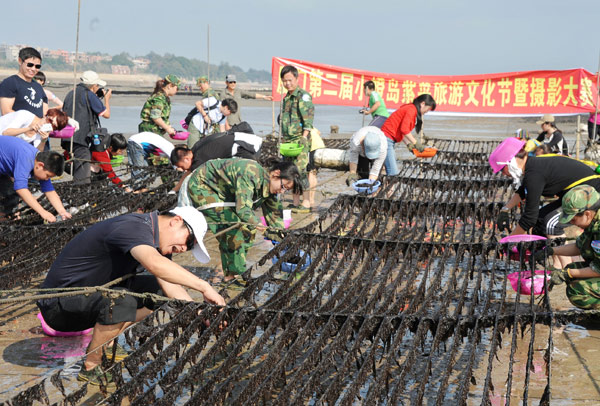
[578, 143]
[208, 52]
[75, 80]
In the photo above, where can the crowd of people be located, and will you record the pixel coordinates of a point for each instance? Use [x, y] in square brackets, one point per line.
[222, 182]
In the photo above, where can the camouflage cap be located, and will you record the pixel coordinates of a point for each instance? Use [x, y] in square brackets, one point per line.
[202, 79]
[173, 79]
[577, 200]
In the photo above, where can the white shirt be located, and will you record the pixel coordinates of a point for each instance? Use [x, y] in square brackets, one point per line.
[20, 119]
[356, 148]
[153, 143]
[212, 108]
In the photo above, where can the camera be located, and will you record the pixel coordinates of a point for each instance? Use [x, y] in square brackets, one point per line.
[100, 92]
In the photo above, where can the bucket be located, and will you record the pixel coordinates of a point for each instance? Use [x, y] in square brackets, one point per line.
[366, 186]
[291, 266]
[290, 149]
[49, 331]
[117, 160]
[66, 132]
[527, 281]
[181, 135]
[514, 251]
[427, 152]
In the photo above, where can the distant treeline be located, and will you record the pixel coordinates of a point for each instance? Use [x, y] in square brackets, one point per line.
[161, 65]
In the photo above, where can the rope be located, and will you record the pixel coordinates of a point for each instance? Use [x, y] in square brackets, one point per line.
[84, 290]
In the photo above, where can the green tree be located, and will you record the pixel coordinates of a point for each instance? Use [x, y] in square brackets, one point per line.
[122, 59]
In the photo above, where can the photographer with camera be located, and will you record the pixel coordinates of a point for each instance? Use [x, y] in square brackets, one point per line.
[376, 105]
[88, 110]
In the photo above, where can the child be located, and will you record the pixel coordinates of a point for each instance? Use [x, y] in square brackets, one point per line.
[40, 77]
[101, 160]
[20, 161]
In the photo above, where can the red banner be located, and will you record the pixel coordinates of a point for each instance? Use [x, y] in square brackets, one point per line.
[514, 93]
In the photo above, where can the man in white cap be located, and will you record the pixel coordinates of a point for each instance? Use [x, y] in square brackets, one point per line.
[113, 249]
[230, 92]
[88, 109]
[368, 149]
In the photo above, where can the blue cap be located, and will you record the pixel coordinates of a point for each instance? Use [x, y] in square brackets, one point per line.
[372, 144]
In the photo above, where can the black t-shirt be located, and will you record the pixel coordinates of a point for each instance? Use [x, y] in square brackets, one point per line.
[549, 176]
[219, 146]
[102, 253]
[28, 96]
[556, 142]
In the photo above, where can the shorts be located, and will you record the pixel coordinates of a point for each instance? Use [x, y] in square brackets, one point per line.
[363, 168]
[77, 313]
[311, 162]
[9, 199]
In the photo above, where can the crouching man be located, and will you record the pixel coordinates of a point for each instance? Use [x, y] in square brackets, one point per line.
[19, 162]
[110, 250]
[580, 207]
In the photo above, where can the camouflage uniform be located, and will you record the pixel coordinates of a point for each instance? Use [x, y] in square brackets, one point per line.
[195, 133]
[227, 191]
[157, 106]
[584, 293]
[297, 115]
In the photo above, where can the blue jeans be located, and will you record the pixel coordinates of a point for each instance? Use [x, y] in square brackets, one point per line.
[136, 157]
[391, 167]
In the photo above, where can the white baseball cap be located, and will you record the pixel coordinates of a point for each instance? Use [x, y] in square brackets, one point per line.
[89, 77]
[196, 221]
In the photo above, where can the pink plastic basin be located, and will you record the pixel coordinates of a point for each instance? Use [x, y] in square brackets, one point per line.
[181, 135]
[527, 282]
[66, 132]
[514, 252]
[522, 238]
[286, 223]
[53, 333]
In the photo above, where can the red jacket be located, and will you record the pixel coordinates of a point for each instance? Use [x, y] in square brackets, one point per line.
[104, 161]
[400, 122]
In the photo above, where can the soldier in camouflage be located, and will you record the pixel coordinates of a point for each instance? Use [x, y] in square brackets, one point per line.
[157, 109]
[580, 207]
[227, 191]
[231, 92]
[297, 117]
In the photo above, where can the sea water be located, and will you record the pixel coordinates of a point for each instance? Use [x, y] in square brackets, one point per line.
[125, 119]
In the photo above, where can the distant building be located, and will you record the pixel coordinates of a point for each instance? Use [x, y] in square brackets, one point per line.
[141, 63]
[120, 70]
[11, 52]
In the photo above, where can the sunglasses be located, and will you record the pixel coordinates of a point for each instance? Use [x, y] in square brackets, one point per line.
[232, 81]
[191, 240]
[31, 65]
[283, 188]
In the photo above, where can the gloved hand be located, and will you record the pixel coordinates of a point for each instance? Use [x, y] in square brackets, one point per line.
[416, 145]
[352, 177]
[542, 253]
[558, 277]
[274, 235]
[503, 221]
[303, 141]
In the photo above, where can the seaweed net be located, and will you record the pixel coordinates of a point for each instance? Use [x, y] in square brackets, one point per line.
[397, 298]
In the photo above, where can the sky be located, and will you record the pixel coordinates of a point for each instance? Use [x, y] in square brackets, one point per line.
[425, 37]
